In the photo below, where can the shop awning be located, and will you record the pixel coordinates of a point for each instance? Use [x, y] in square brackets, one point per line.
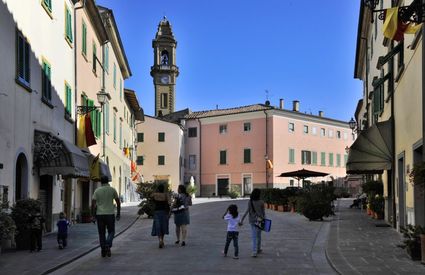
[371, 152]
[55, 156]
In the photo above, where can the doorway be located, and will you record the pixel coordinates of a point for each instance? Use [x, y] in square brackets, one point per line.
[21, 178]
[222, 187]
[419, 195]
[401, 193]
[247, 185]
[46, 197]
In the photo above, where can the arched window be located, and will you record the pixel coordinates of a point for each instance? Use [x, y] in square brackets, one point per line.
[164, 57]
[21, 177]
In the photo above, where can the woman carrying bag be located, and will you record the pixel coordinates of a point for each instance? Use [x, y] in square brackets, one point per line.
[256, 214]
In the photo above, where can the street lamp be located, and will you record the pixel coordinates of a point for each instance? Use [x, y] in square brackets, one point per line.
[353, 126]
[414, 13]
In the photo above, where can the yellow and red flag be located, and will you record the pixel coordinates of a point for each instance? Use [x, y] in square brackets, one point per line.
[394, 28]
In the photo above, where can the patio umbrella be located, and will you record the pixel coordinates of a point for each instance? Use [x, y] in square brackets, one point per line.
[302, 174]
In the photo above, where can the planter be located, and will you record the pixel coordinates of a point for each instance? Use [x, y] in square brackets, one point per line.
[292, 209]
[423, 248]
[266, 205]
[286, 208]
[280, 208]
[414, 251]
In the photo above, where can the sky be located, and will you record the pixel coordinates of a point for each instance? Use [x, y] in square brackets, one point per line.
[230, 52]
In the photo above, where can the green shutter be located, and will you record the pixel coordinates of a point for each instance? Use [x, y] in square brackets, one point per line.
[106, 110]
[322, 158]
[68, 25]
[291, 155]
[247, 155]
[314, 158]
[338, 160]
[331, 159]
[115, 76]
[84, 39]
[68, 99]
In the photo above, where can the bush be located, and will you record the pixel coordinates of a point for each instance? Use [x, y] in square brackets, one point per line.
[316, 202]
[21, 214]
[191, 189]
[145, 190]
[234, 192]
[412, 241]
[373, 188]
[7, 226]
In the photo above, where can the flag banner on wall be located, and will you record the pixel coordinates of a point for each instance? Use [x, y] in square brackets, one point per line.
[269, 164]
[81, 133]
[90, 138]
[133, 167]
[95, 169]
[394, 28]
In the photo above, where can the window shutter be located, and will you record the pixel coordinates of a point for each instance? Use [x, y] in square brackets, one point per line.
[26, 61]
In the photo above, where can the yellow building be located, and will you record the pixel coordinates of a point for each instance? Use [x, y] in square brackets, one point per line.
[389, 115]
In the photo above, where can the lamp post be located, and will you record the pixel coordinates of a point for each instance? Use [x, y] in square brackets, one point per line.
[353, 126]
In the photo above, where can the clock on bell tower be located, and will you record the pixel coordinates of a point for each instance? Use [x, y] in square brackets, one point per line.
[164, 71]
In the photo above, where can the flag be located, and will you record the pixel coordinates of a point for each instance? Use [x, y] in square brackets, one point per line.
[95, 169]
[90, 139]
[133, 167]
[394, 28]
[269, 164]
[81, 132]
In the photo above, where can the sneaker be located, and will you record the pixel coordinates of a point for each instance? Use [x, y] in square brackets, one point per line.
[177, 242]
[108, 251]
[259, 251]
[161, 244]
[236, 257]
[254, 254]
[103, 253]
[183, 243]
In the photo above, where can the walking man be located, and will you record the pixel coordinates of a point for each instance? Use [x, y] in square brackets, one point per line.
[103, 211]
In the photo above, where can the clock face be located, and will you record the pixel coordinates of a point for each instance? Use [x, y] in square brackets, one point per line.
[165, 79]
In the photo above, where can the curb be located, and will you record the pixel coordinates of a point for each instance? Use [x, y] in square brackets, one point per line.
[88, 251]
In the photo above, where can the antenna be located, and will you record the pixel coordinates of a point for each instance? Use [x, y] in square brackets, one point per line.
[267, 94]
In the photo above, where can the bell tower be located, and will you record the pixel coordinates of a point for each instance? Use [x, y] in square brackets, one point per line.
[164, 70]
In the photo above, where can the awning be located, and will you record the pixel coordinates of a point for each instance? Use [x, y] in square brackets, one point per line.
[55, 156]
[371, 152]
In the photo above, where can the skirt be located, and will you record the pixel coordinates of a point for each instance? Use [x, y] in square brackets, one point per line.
[182, 218]
[160, 223]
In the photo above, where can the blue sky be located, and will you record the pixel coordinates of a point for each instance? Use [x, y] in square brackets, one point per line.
[230, 51]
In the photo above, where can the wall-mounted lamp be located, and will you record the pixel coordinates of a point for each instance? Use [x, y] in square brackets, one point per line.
[353, 126]
[347, 149]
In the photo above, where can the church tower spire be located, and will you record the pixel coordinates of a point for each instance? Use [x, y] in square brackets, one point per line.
[164, 70]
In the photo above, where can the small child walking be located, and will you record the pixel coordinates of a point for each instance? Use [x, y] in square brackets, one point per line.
[232, 218]
[62, 225]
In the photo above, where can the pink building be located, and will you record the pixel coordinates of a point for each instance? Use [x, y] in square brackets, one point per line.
[247, 147]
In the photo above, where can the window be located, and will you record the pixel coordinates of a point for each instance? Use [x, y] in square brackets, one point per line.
[338, 134]
[322, 158]
[322, 132]
[331, 159]
[291, 182]
[338, 160]
[120, 133]
[378, 101]
[115, 76]
[314, 130]
[94, 57]
[120, 89]
[161, 160]
[247, 126]
[305, 157]
[115, 127]
[345, 160]
[331, 133]
[314, 158]
[106, 109]
[291, 155]
[95, 118]
[84, 39]
[68, 25]
[164, 100]
[246, 155]
[46, 89]
[140, 137]
[161, 136]
[192, 162]
[139, 160]
[223, 128]
[305, 129]
[106, 61]
[47, 4]
[68, 100]
[193, 132]
[223, 157]
[23, 60]
[291, 127]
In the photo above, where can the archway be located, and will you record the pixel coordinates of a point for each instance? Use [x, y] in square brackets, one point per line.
[21, 177]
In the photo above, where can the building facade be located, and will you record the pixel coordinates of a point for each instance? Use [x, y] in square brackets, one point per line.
[390, 111]
[249, 147]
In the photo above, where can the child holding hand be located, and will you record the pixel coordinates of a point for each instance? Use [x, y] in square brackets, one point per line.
[232, 218]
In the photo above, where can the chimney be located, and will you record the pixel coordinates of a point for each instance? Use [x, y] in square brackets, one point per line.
[281, 103]
[296, 106]
[321, 113]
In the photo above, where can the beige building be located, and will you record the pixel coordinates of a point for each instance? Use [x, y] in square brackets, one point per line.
[389, 115]
[160, 151]
[38, 158]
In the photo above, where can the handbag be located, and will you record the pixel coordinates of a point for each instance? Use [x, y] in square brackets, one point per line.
[262, 224]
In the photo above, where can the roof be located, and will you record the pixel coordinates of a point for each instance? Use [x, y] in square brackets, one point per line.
[131, 97]
[230, 111]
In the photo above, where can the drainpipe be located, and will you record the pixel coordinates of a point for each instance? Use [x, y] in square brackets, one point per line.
[74, 185]
[200, 162]
[393, 172]
[266, 156]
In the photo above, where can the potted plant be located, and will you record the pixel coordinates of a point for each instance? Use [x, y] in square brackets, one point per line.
[234, 192]
[7, 230]
[85, 215]
[21, 213]
[316, 202]
[292, 201]
[411, 242]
